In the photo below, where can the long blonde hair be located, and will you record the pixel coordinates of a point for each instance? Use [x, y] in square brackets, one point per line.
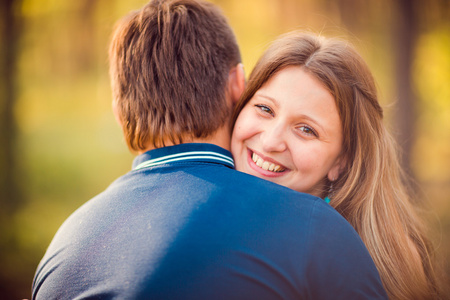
[370, 193]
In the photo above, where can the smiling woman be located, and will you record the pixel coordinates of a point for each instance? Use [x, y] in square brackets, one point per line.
[310, 120]
[290, 133]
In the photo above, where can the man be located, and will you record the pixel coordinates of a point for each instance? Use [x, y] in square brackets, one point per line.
[183, 224]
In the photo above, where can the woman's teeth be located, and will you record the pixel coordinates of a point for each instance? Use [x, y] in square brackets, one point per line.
[266, 165]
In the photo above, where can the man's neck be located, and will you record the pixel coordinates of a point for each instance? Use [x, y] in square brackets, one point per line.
[221, 138]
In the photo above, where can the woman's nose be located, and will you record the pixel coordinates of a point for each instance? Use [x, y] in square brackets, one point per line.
[273, 139]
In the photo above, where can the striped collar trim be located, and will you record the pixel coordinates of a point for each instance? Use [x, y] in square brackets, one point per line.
[204, 156]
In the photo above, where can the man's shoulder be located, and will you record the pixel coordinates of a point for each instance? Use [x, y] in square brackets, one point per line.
[321, 213]
[250, 185]
[262, 192]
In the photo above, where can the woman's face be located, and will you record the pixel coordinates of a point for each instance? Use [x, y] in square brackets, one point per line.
[290, 133]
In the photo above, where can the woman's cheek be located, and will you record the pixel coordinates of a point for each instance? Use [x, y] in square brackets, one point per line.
[245, 128]
[308, 158]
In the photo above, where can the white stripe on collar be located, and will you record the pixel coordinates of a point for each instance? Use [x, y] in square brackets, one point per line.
[186, 156]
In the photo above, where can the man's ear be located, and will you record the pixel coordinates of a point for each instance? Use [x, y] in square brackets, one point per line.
[236, 83]
[116, 113]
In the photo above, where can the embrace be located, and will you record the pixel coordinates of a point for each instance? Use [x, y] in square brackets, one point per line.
[283, 186]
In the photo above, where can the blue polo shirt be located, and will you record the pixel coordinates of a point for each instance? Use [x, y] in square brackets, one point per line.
[183, 224]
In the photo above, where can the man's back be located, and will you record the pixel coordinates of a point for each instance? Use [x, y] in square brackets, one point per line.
[184, 225]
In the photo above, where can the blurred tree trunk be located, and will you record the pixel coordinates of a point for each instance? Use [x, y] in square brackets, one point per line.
[85, 47]
[405, 34]
[9, 33]
[352, 13]
[10, 195]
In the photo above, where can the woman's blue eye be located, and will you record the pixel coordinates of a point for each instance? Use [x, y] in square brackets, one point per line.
[264, 109]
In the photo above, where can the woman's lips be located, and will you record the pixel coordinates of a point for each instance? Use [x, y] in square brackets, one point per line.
[265, 166]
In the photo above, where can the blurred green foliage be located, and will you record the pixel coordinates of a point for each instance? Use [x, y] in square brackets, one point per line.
[69, 147]
[431, 76]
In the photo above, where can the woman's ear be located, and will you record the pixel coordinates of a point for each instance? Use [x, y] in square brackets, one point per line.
[236, 83]
[338, 167]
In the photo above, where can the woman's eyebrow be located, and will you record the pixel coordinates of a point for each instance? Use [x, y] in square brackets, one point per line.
[303, 116]
[261, 94]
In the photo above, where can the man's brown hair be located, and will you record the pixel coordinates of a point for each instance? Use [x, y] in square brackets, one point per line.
[169, 66]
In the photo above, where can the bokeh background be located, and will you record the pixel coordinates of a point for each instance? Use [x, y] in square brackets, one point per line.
[60, 144]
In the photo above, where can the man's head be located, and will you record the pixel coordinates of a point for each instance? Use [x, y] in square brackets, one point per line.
[170, 64]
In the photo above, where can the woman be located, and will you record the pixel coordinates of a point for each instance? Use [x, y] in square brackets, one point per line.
[310, 120]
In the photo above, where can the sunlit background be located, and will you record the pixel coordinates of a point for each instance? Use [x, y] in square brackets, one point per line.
[60, 144]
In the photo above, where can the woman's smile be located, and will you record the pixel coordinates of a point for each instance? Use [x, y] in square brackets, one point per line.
[266, 166]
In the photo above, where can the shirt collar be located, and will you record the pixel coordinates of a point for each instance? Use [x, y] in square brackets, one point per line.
[182, 153]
